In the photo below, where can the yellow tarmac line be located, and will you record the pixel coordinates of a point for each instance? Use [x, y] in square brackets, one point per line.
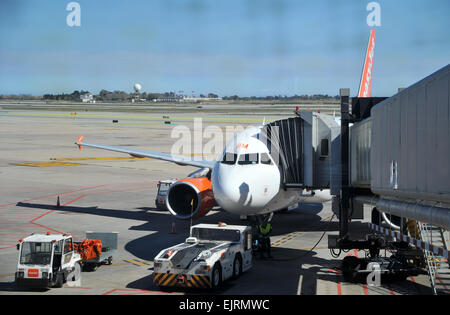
[120, 264]
[135, 262]
[286, 238]
[46, 164]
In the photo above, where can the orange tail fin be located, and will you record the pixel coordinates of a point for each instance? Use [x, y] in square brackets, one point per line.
[80, 140]
[365, 87]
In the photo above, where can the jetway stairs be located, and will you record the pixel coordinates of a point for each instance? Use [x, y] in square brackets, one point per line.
[437, 266]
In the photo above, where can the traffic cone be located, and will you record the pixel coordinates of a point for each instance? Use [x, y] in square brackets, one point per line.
[58, 203]
[174, 228]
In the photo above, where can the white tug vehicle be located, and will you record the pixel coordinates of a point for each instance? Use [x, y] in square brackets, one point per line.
[212, 254]
[47, 260]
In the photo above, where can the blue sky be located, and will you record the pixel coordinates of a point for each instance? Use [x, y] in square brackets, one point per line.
[243, 47]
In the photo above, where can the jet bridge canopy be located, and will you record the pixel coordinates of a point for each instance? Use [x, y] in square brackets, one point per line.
[301, 147]
[285, 143]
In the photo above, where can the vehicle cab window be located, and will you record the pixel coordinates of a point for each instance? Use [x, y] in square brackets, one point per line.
[68, 246]
[248, 159]
[58, 247]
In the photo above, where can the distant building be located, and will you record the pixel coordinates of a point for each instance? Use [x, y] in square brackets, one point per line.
[199, 99]
[87, 98]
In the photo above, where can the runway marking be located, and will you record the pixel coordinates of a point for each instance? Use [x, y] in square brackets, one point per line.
[366, 292]
[51, 211]
[15, 226]
[285, 239]
[12, 226]
[416, 286]
[7, 275]
[136, 262]
[54, 195]
[46, 164]
[338, 283]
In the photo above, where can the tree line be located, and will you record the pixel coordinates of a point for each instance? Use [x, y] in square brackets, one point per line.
[121, 96]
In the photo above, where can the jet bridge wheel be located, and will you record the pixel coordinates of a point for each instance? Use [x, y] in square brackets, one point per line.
[350, 267]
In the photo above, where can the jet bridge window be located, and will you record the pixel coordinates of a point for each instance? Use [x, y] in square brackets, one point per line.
[229, 158]
[246, 159]
[324, 147]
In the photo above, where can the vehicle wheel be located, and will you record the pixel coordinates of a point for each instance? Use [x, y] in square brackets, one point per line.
[89, 267]
[216, 276]
[110, 259]
[237, 266]
[77, 272]
[59, 280]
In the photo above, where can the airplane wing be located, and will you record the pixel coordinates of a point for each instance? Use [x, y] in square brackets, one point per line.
[178, 159]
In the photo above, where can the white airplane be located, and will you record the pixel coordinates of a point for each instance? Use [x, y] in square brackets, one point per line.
[245, 181]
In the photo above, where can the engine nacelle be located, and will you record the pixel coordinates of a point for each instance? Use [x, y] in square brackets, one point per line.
[190, 198]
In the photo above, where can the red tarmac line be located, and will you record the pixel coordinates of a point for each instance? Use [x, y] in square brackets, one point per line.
[366, 292]
[339, 287]
[58, 194]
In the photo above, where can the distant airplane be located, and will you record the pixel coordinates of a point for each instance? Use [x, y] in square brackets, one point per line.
[245, 180]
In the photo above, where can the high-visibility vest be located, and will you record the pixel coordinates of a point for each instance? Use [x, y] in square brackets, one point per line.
[265, 231]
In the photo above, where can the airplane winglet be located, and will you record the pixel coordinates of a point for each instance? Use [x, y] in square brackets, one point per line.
[80, 140]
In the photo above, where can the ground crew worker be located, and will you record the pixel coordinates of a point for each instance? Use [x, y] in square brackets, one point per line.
[264, 230]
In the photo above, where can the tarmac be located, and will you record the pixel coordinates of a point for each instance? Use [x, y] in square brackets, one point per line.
[106, 191]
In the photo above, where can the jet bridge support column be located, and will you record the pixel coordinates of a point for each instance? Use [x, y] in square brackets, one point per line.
[345, 189]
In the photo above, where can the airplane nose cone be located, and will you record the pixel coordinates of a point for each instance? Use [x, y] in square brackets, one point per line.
[242, 190]
[229, 192]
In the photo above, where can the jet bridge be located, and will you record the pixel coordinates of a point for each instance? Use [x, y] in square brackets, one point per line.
[302, 148]
[395, 157]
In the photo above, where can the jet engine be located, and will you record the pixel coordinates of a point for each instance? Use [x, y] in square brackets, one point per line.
[190, 198]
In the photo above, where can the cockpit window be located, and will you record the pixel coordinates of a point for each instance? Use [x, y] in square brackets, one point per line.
[229, 158]
[265, 159]
[246, 159]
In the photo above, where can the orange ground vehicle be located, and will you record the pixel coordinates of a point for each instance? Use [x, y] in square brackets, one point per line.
[98, 248]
